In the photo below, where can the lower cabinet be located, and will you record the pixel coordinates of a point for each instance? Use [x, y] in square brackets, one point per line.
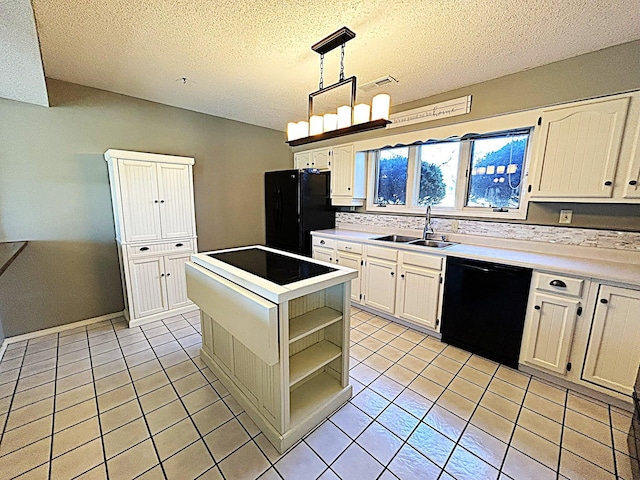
[549, 331]
[613, 350]
[380, 285]
[352, 260]
[154, 280]
[418, 296]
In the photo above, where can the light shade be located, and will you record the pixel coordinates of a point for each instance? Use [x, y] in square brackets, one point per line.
[303, 129]
[361, 113]
[315, 125]
[380, 106]
[344, 116]
[330, 122]
[292, 131]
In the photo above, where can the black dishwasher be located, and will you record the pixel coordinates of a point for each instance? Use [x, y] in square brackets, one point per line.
[484, 308]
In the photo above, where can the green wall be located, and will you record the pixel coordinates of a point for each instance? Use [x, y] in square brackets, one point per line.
[54, 192]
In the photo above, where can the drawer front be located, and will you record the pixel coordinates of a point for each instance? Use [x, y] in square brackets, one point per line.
[383, 253]
[142, 250]
[422, 260]
[559, 284]
[324, 242]
[349, 247]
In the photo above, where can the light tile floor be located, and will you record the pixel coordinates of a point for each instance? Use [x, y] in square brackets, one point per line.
[106, 401]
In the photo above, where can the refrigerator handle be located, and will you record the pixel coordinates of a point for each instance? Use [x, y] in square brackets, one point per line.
[276, 207]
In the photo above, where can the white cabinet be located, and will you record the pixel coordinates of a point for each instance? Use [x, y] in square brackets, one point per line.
[380, 279]
[419, 289]
[585, 153]
[555, 302]
[152, 197]
[156, 200]
[147, 286]
[348, 176]
[319, 159]
[349, 254]
[348, 172]
[323, 249]
[613, 351]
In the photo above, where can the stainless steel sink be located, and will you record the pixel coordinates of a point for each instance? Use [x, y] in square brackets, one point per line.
[396, 238]
[432, 243]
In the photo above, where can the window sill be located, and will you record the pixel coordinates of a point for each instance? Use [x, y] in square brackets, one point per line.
[519, 214]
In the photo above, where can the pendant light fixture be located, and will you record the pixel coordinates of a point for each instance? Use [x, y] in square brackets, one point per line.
[348, 119]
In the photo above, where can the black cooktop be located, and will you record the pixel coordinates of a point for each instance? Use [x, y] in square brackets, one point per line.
[276, 268]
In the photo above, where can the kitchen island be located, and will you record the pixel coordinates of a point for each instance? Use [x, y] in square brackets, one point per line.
[275, 330]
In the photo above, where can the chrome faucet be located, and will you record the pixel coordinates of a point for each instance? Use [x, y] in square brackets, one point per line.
[428, 229]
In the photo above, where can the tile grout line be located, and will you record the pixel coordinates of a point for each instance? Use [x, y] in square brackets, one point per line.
[95, 392]
[53, 413]
[143, 416]
[564, 416]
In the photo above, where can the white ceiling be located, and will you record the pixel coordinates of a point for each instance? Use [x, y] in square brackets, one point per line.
[250, 60]
[21, 77]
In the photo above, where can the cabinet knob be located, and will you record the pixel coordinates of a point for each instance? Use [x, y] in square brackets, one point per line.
[321, 242]
[155, 201]
[162, 274]
[144, 249]
[401, 276]
[604, 300]
[537, 307]
[168, 274]
[608, 183]
[392, 274]
[330, 259]
[348, 188]
[161, 201]
[557, 283]
[633, 182]
[179, 244]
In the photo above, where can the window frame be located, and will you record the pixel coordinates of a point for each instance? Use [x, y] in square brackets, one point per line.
[487, 127]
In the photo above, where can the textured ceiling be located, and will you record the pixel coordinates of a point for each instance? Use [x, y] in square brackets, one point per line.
[21, 73]
[251, 61]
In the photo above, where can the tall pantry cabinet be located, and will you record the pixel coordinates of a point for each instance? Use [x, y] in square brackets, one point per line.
[153, 210]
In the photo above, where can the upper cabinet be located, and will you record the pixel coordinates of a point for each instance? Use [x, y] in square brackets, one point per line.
[348, 172]
[152, 196]
[586, 152]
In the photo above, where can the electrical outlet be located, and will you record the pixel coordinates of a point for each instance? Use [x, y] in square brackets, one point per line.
[455, 223]
[565, 216]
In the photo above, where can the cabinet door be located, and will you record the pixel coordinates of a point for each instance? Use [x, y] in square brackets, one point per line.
[548, 332]
[342, 167]
[301, 160]
[148, 286]
[320, 159]
[323, 254]
[418, 293]
[632, 182]
[206, 328]
[350, 260]
[380, 291]
[140, 200]
[176, 200]
[176, 280]
[613, 353]
[579, 150]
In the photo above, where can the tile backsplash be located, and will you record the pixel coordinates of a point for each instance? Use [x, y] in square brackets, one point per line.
[584, 237]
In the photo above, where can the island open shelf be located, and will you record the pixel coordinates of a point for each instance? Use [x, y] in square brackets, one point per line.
[282, 351]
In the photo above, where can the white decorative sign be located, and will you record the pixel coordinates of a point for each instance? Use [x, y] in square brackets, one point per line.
[450, 108]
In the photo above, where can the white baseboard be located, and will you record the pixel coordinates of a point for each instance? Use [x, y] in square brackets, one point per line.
[59, 328]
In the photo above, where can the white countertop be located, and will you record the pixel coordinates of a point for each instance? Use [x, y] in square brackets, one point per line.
[267, 289]
[620, 272]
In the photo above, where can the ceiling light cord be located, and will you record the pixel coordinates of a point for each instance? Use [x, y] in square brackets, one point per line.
[342, 63]
[321, 71]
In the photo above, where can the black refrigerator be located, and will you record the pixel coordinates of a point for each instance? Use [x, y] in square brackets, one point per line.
[297, 202]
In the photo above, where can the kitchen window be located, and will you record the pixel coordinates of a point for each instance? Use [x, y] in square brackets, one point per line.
[475, 175]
